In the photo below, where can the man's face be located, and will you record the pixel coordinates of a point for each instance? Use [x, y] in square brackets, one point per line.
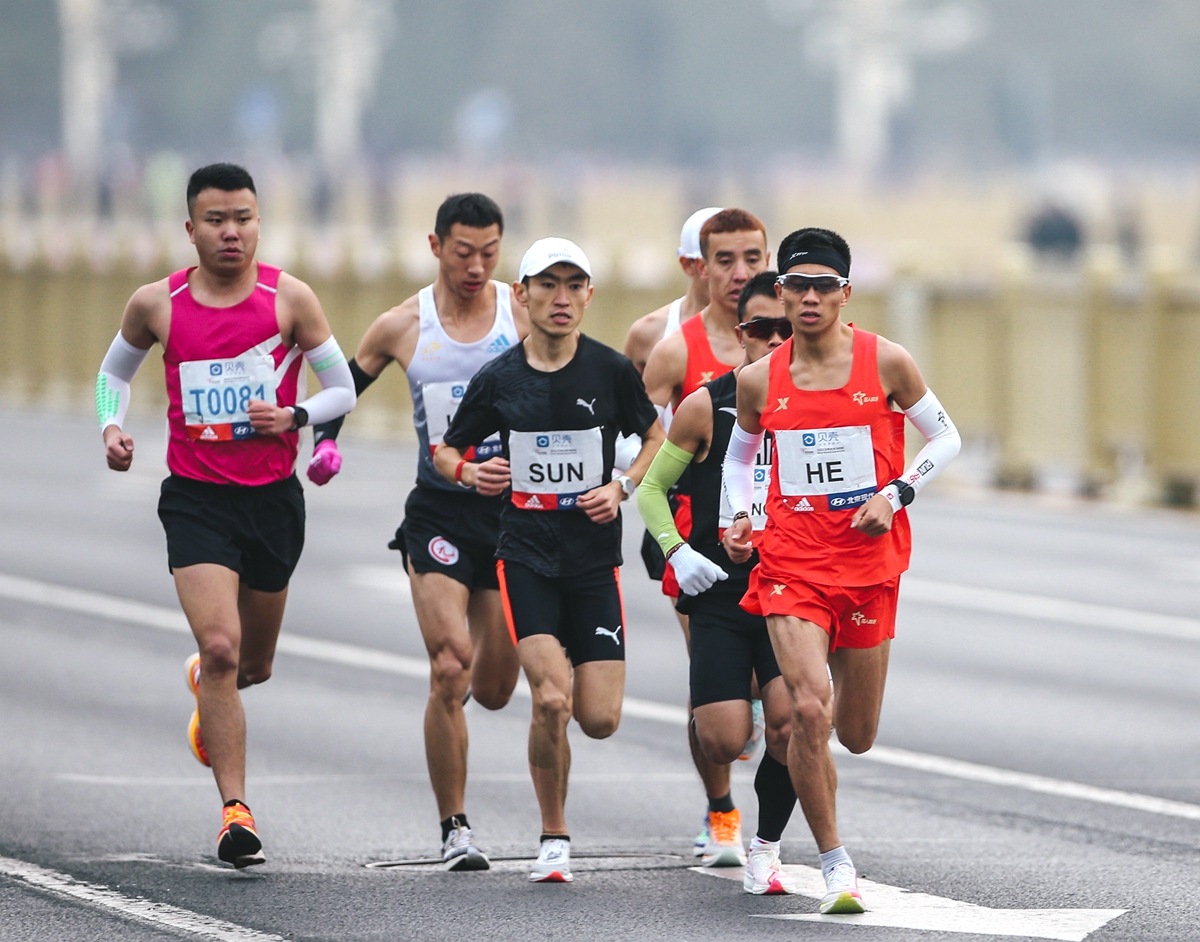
[811, 312]
[733, 259]
[224, 228]
[467, 258]
[556, 298]
[767, 310]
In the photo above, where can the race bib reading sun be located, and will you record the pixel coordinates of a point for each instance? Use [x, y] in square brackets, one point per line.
[826, 468]
[550, 470]
[441, 403]
[217, 394]
[762, 484]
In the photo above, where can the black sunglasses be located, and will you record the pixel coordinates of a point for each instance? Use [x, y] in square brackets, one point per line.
[761, 328]
[799, 283]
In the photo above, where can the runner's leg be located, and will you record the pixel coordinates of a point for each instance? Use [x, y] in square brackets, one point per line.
[801, 649]
[209, 596]
[549, 674]
[261, 615]
[495, 667]
[859, 676]
[599, 689]
[713, 775]
[721, 730]
[441, 604]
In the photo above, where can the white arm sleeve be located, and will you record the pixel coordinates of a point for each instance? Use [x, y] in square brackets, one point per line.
[942, 443]
[627, 449]
[112, 383]
[664, 416]
[337, 396]
[737, 472]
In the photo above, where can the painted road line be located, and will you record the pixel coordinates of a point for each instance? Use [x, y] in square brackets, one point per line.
[897, 908]
[990, 775]
[131, 907]
[336, 652]
[1045, 608]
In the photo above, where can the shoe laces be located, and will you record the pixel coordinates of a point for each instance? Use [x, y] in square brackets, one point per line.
[554, 850]
[459, 838]
[237, 814]
[766, 858]
[725, 826]
[842, 877]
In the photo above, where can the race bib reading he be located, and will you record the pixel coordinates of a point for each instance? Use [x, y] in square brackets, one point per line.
[826, 468]
[762, 484]
[217, 394]
[441, 403]
[550, 470]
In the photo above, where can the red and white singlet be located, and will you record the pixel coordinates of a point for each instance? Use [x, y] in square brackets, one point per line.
[834, 449]
[217, 359]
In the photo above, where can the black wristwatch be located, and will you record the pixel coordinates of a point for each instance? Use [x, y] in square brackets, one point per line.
[299, 418]
[905, 491]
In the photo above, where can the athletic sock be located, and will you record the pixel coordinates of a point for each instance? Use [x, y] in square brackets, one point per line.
[452, 822]
[555, 837]
[722, 805]
[831, 858]
[235, 801]
[776, 798]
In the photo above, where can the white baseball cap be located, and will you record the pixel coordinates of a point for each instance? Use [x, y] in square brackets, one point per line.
[546, 252]
[689, 237]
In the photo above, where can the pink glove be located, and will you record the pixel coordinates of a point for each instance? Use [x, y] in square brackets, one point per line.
[326, 462]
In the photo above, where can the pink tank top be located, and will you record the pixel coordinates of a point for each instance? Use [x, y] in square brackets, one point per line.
[217, 359]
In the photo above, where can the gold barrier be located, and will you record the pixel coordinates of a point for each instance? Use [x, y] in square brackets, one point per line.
[1059, 381]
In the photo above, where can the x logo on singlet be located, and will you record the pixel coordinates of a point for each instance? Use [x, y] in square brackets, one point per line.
[706, 377]
[782, 404]
[777, 589]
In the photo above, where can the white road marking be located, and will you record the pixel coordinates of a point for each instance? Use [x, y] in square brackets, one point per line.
[898, 908]
[390, 579]
[131, 907]
[1045, 608]
[336, 652]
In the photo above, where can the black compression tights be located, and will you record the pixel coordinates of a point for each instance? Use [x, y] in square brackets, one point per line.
[776, 798]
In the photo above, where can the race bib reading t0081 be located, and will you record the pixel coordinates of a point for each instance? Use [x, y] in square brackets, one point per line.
[826, 468]
[550, 470]
[441, 403]
[217, 394]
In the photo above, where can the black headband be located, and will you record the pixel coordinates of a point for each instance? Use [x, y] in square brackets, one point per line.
[818, 255]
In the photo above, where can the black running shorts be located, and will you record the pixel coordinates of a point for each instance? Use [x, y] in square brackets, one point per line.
[728, 645]
[258, 532]
[585, 612]
[454, 534]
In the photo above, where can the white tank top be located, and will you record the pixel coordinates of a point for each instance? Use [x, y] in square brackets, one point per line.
[440, 370]
[673, 316]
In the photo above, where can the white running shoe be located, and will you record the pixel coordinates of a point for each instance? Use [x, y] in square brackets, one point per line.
[750, 750]
[553, 864]
[765, 876]
[841, 892]
[459, 851]
[701, 841]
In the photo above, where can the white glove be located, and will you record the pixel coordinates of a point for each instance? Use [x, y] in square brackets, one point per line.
[695, 572]
[627, 449]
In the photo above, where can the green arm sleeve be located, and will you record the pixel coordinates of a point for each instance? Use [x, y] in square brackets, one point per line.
[668, 466]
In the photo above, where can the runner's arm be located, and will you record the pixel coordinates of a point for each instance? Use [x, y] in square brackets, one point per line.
[737, 471]
[117, 370]
[942, 444]
[665, 369]
[475, 421]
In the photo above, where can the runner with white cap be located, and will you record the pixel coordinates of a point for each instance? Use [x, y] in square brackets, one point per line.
[558, 400]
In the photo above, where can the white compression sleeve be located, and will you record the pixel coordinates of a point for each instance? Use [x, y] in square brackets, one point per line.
[112, 382]
[337, 396]
[664, 416]
[942, 443]
[737, 472]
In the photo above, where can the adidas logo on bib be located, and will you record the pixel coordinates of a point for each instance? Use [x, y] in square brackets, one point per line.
[533, 503]
[208, 434]
[803, 505]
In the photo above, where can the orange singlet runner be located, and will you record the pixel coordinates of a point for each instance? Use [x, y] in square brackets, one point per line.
[834, 449]
[702, 367]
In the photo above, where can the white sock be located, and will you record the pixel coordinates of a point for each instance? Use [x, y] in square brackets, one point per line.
[831, 858]
[757, 843]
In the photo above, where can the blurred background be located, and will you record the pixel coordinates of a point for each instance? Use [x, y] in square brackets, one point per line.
[1019, 181]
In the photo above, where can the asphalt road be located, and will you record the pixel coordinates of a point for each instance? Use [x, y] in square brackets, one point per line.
[99, 787]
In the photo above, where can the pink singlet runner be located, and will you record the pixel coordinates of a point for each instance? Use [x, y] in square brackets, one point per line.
[217, 359]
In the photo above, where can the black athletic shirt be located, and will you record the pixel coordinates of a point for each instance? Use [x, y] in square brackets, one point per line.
[599, 394]
[706, 501]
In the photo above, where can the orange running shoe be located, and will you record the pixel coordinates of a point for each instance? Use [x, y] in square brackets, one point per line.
[724, 847]
[195, 736]
[238, 841]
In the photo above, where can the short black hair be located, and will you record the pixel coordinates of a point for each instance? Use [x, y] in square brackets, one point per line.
[227, 177]
[467, 209]
[761, 284]
[812, 238]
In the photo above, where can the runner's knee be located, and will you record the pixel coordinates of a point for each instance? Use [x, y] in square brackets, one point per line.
[599, 727]
[778, 734]
[811, 715]
[218, 655]
[449, 672]
[551, 706]
[248, 676]
[857, 738]
[718, 746]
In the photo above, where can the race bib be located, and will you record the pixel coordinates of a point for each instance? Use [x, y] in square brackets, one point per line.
[441, 403]
[217, 394]
[550, 470]
[826, 468]
[762, 484]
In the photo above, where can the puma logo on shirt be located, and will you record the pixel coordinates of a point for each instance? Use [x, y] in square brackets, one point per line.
[730, 409]
[611, 634]
[587, 405]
